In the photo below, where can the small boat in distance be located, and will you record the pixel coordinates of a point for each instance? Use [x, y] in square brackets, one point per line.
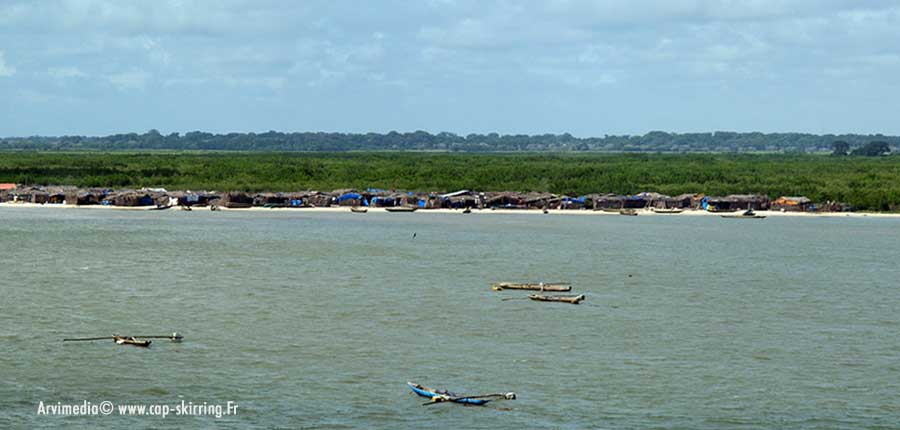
[628, 212]
[358, 209]
[666, 210]
[130, 340]
[564, 299]
[748, 214]
[440, 396]
[557, 287]
[400, 209]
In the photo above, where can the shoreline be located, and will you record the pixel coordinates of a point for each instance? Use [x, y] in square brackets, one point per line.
[574, 212]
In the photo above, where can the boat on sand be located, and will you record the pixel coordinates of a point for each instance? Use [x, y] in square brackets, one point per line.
[400, 209]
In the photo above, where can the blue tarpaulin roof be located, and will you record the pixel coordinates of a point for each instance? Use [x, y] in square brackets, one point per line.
[349, 196]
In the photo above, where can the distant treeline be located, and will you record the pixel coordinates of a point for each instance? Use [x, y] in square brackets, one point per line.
[867, 183]
[656, 141]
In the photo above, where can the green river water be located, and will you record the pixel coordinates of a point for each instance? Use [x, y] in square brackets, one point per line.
[317, 320]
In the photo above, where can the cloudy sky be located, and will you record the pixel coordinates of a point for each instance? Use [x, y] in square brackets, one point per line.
[585, 67]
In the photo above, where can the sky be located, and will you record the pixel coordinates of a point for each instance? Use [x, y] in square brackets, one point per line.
[589, 68]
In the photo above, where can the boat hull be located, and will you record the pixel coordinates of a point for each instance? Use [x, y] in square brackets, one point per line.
[432, 393]
[531, 287]
[562, 299]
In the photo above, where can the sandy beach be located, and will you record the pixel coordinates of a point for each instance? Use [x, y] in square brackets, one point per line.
[571, 212]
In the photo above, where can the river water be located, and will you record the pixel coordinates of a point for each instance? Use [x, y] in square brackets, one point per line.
[317, 320]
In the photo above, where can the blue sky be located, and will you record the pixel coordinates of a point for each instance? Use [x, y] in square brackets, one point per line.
[465, 66]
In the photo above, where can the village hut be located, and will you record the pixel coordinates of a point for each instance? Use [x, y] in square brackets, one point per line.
[349, 198]
[131, 198]
[792, 204]
[85, 197]
[833, 206]
[686, 201]
[456, 200]
[235, 200]
[506, 199]
[316, 199]
[57, 195]
[191, 198]
[270, 200]
[656, 200]
[573, 202]
[607, 201]
[537, 200]
[38, 196]
[736, 202]
[5, 191]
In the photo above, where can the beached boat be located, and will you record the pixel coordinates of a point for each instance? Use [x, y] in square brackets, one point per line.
[467, 210]
[358, 209]
[558, 287]
[666, 210]
[628, 212]
[401, 209]
[439, 396]
[748, 214]
[123, 340]
[564, 299]
[160, 208]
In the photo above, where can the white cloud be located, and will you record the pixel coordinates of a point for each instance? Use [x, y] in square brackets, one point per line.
[5, 70]
[68, 72]
[134, 79]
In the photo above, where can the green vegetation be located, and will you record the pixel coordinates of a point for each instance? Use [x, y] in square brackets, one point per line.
[867, 183]
[655, 141]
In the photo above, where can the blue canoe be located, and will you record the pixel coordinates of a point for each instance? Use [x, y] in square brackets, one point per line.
[455, 398]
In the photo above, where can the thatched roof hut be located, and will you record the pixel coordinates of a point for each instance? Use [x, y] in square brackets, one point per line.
[792, 204]
[132, 198]
[735, 202]
[506, 199]
[316, 198]
[235, 200]
[687, 201]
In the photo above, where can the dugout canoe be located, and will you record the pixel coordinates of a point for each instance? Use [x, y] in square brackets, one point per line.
[564, 299]
[438, 396]
[400, 209]
[359, 210]
[123, 340]
[557, 287]
[748, 214]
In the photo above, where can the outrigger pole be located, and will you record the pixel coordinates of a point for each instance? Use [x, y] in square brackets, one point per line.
[174, 337]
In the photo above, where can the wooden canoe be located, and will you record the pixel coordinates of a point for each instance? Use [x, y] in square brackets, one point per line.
[747, 214]
[628, 212]
[359, 210]
[123, 340]
[564, 299]
[558, 287]
[667, 210]
[744, 216]
[438, 396]
[400, 209]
